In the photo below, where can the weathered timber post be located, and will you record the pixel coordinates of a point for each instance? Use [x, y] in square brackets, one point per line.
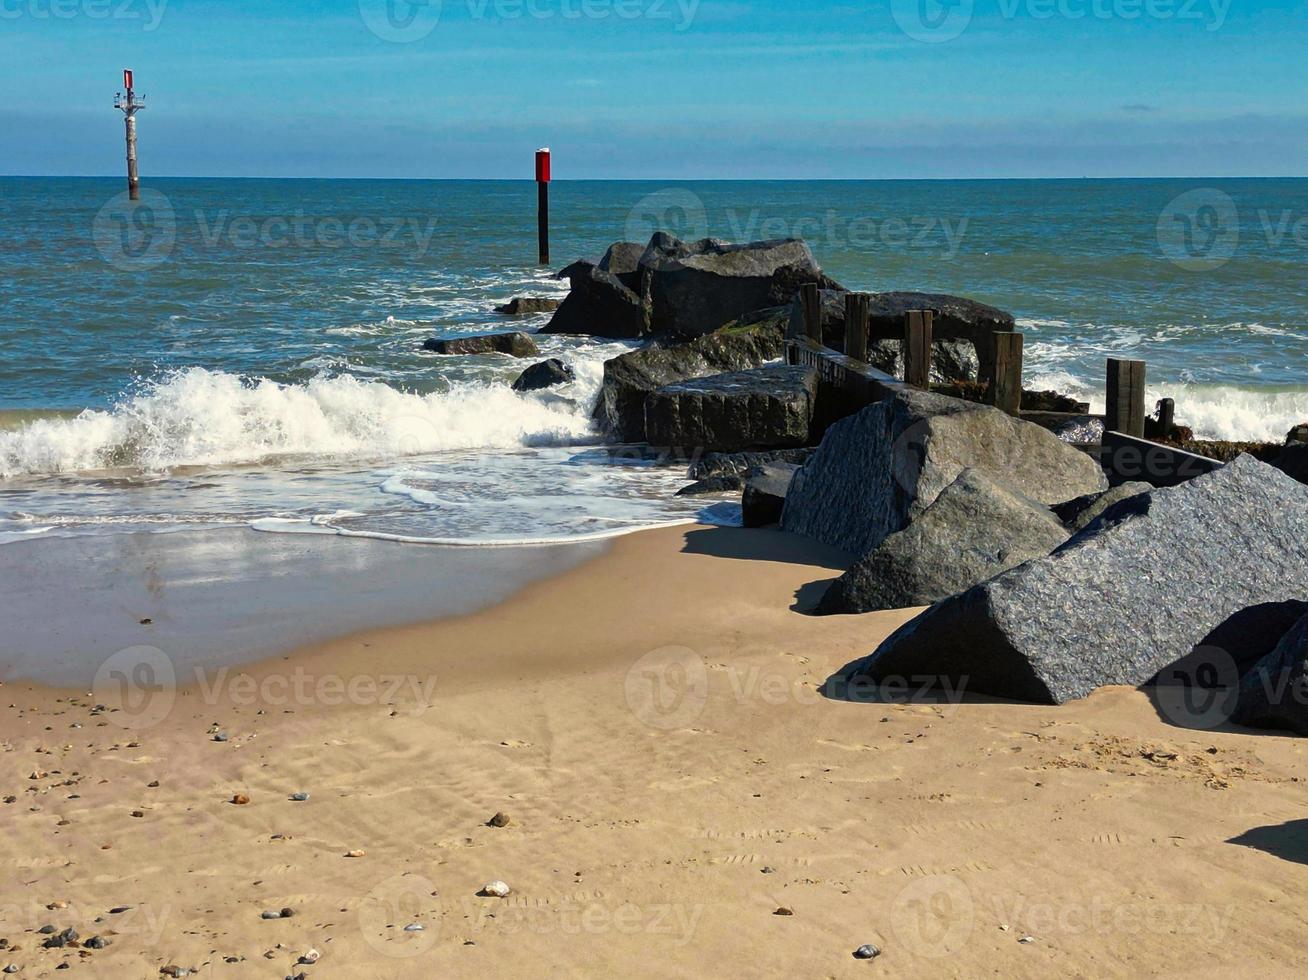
[1166, 416]
[917, 347]
[1125, 412]
[1006, 385]
[543, 204]
[856, 314]
[811, 301]
[130, 105]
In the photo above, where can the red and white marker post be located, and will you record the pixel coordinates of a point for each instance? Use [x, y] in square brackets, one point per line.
[543, 203]
[130, 106]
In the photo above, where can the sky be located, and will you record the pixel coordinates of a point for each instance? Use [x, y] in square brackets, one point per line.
[661, 89]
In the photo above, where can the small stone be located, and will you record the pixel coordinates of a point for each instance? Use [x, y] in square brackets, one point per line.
[240, 799]
[499, 820]
[173, 970]
[57, 904]
[495, 889]
[152, 784]
[120, 909]
[47, 930]
[147, 621]
[866, 952]
[96, 942]
[784, 911]
[414, 927]
[299, 797]
[270, 914]
[287, 912]
[358, 853]
[66, 938]
[1026, 939]
[220, 736]
[137, 813]
[11, 968]
[767, 869]
[311, 957]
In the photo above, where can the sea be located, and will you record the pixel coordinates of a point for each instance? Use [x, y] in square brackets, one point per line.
[249, 353]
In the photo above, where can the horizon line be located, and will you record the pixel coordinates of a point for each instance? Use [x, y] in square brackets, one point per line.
[633, 180]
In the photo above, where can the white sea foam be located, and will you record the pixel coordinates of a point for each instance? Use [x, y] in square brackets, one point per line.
[200, 417]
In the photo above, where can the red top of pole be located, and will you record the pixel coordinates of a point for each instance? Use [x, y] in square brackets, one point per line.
[127, 78]
[543, 165]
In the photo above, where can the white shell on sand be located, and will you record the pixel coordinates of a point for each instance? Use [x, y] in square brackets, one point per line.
[495, 889]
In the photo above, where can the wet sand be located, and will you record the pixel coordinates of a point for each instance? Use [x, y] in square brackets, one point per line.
[650, 722]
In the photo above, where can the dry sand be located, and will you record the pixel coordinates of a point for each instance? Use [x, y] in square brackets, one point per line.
[650, 724]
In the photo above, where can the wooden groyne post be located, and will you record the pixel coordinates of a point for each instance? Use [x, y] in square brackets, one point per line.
[857, 306]
[130, 105]
[918, 325]
[543, 204]
[810, 300]
[1125, 411]
[1006, 385]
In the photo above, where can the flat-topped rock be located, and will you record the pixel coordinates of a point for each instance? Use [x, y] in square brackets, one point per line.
[763, 407]
[764, 493]
[879, 469]
[974, 530]
[598, 305]
[524, 305]
[1127, 597]
[516, 344]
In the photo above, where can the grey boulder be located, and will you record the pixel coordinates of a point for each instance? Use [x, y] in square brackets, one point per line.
[630, 378]
[1078, 514]
[516, 344]
[764, 407]
[523, 305]
[695, 288]
[764, 495]
[546, 374]
[1274, 694]
[1122, 600]
[974, 530]
[879, 469]
[598, 305]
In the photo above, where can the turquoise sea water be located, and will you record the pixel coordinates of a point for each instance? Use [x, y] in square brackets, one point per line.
[250, 350]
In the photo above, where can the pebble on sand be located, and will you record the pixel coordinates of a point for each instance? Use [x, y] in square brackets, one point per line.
[357, 853]
[499, 820]
[299, 797]
[784, 911]
[495, 889]
[311, 957]
[867, 952]
[240, 799]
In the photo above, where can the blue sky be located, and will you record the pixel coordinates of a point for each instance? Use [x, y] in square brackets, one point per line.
[662, 88]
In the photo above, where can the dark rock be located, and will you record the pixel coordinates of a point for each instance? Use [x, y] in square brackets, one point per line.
[1078, 513]
[500, 819]
[523, 305]
[1294, 461]
[1274, 694]
[1052, 401]
[765, 492]
[623, 261]
[61, 939]
[695, 288]
[879, 469]
[974, 530]
[764, 407]
[738, 464]
[517, 344]
[630, 378]
[599, 305]
[1123, 599]
[712, 484]
[546, 374]
[1298, 434]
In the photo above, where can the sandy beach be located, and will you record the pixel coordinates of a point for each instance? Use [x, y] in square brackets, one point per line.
[681, 801]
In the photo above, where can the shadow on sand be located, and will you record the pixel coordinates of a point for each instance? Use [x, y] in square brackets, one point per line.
[1288, 841]
[764, 544]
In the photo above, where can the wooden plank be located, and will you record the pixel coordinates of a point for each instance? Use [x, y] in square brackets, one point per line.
[1125, 458]
[811, 301]
[1006, 386]
[917, 347]
[856, 315]
[1125, 411]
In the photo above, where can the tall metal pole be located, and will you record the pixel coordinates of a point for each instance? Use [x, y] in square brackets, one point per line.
[130, 106]
[543, 204]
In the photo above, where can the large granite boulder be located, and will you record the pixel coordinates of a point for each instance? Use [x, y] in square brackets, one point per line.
[623, 261]
[630, 378]
[1274, 694]
[878, 470]
[516, 344]
[1079, 513]
[764, 493]
[546, 374]
[599, 305]
[764, 407]
[1125, 598]
[694, 288]
[1294, 461]
[974, 530]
